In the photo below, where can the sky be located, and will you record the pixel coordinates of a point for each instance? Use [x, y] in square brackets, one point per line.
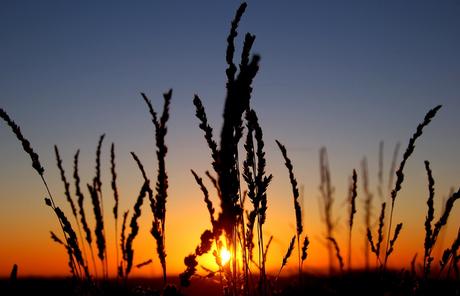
[338, 74]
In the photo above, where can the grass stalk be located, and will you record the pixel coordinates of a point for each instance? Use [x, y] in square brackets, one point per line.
[81, 209]
[70, 200]
[337, 253]
[327, 201]
[35, 164]
[368, 197]
[354, 194]
[116, 198]
[159, 205]
[134, 228]
[400, 171]
[297, 207]
[287, 255]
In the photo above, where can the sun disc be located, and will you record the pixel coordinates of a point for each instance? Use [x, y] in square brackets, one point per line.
[225, 256]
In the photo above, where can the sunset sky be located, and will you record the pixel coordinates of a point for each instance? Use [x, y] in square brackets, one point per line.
[340, 74]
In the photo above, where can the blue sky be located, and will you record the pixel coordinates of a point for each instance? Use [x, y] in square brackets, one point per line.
[340, 74]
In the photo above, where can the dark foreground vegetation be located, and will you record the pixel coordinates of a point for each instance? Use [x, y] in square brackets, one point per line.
[355, 283]
[240, 183]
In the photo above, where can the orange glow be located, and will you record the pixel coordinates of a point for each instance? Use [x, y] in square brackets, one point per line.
[225, 256]
[25, 222]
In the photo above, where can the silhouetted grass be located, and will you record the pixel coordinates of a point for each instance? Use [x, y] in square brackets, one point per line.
[400, 171]
[295, 193]
[354, 194]
[287, 255]
[326, 202]
[134, 228]
[375, 247]
[113, 184]
[368, 198]
[81, 211]
[158, 205]
[230, 227]
[98, 208]
[337, 252]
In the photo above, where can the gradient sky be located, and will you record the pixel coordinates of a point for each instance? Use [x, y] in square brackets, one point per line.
[340, 74]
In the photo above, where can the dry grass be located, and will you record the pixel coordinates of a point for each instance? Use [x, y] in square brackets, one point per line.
[116, 198]
[452, 255]
[134, 228]
[98, 209]
[326, 203]
[375, 247]
[353, 196]
[69, 199]
[368, 198]
[229, 226]
[337, 253]
[287, 255]
[297, 208]
[400, 171]
[158, 204]
[432, 232]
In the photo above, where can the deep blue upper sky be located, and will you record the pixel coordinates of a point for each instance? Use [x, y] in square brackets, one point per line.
[362, 54]
[345, 74]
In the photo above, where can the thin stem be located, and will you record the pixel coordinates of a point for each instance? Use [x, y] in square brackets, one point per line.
[388, 235]
[116, 247]
[261, 252]
[53, 206]
[298, 253]
[245, 261]
[349, 250]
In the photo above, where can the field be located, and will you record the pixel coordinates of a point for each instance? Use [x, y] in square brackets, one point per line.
[358, 283]
[234, 254]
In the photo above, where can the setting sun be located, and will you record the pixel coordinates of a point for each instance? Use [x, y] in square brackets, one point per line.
[225, 256]
[161, 148]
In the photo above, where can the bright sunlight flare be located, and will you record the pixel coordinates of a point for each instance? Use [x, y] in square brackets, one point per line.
[225, 256]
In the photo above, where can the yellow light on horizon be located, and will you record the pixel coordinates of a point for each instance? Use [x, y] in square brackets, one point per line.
[225, 256]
